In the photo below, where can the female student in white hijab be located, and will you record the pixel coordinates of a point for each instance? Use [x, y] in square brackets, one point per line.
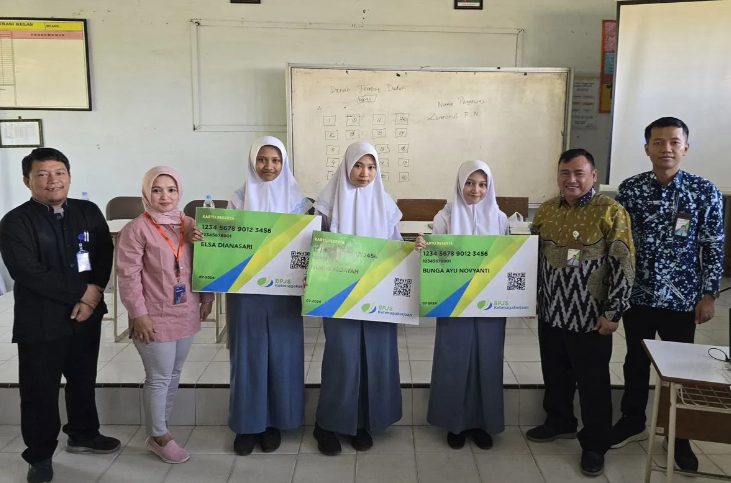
[265, 332]
[361, 389]
[466, 396]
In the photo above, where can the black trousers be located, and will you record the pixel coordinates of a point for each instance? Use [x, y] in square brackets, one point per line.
[41, 365]
[642, 322]
[570, 360]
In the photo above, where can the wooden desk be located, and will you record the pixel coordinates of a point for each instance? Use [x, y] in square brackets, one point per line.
[410, 229]
[698, 399]
[513, 204]
[420, 209]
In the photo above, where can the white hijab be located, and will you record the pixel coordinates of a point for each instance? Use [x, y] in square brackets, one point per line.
[366, 211]
[281, 195]
[483, 218]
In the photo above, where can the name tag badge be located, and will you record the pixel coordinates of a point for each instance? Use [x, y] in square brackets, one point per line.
[180, 295]
[83, 262]
[573, 257]
[682, 225]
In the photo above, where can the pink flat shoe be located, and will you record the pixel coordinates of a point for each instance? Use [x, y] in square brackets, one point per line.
[170, 453]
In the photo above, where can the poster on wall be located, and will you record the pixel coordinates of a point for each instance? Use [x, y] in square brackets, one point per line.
[32, 50]
[21, 133]
[609, 59]
[584, 103]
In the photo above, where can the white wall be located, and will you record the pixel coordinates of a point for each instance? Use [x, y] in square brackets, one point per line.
[141, 81]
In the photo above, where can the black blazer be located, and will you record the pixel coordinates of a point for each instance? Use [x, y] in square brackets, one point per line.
[40, 252]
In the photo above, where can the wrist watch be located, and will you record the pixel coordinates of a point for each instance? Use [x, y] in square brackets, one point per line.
[612, 315]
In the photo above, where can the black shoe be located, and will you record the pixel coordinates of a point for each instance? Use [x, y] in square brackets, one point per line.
[270, 440]
[456, 441]
[685, 459]
[481, 438]
[362, 441]
[544, 434]
[592, 463]
[99, 444]
[327, 441]
[41, 471]
[625, 432]
[244, 443]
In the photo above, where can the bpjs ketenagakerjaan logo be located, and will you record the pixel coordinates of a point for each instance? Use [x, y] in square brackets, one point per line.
[265, 282]
[492, 304]
[368, 308]
[486, 305]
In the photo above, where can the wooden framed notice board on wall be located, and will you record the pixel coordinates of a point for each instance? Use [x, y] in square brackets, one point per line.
[44, 64]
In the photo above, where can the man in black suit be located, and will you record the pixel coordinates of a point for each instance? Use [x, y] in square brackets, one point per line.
[59, 252]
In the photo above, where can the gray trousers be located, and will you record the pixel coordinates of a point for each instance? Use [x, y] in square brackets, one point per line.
[163, 363]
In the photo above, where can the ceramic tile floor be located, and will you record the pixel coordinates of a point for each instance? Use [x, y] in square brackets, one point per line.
[207, 362]
[401, 454]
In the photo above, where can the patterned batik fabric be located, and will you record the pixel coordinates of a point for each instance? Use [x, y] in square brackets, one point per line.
[674, 270]
[574, 297]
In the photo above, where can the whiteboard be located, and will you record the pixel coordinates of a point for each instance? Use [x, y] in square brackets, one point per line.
[426, 122]
[239, 67]
[44, 64]
[685, 75]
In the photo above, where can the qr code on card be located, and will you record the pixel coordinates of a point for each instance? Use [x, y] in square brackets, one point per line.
[516, 280]
[402, 287]
[299, 260]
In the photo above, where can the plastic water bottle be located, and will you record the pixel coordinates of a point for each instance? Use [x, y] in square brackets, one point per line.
[85, 196]
[208, 203]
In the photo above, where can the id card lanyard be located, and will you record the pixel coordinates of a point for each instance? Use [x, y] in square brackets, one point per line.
[179, 291]
[680, 221]
[83, 261]
[573, 256]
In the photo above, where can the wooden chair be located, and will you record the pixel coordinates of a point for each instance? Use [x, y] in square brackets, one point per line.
[218, 309]
[511, 204]
[119, 208]
[124, 207]
[189, 209]
[420, 209]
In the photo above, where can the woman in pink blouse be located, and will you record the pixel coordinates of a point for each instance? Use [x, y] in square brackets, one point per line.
[154, 262]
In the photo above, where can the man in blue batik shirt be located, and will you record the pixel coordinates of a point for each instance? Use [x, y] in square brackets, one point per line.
[677, 226]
